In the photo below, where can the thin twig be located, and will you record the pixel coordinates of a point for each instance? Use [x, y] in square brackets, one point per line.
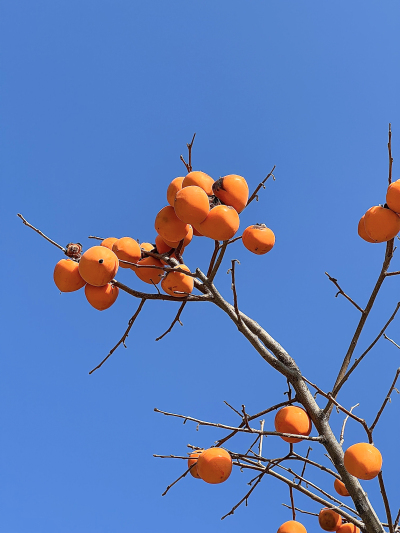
[233, 286]
[40, 233]
[386, 502]
[97, 238]
[189, 165]
[245, 498]
[213, 257]
[261, 438]
[396, 273]
[176, 480]
[124, 336]
[240, 429]
[233, 409]
[390, 340]
[292, 502]
[218, 261]
[305, 463]
[386, 400]
[344, 424]
[335, 282]
[254, 195]
[176, 319]
[299, 510]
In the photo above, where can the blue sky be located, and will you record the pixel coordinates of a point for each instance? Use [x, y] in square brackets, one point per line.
[98, 101]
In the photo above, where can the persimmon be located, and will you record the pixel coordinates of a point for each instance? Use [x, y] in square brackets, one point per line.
[329, 520]
[191, 204]
[149, 275]
[101, 298]
[108, 243]
[348, 528]
[221, 224]
[66, 276]
[173, 188]
[258, 239]
[147, 246]
[381, 224]
[98, 265]
[340, 488]
[193, 461]
[232, 190]
[168, 225]
[197, 233]
[162, 246]
[214, 465]
[361, 230]
[186, 240]
[292, 526]
[363, 460]
[293, 419]
[127, 249]
[201, 179]
[176, 283]
[393, 196]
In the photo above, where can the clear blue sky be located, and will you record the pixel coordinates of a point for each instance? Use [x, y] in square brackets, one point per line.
[98, 100]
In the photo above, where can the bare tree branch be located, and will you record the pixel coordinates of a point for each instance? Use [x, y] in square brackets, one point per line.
[235, 300]
[124, 336]
[390, 154]
[254, 195]
[189, 146]
[245, 498]
[335, 282]
[40, 233]
[390, 340]
[386, 400]
[344, 424]
[176, 319]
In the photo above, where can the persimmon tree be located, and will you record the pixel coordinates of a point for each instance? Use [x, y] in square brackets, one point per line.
[198, 205]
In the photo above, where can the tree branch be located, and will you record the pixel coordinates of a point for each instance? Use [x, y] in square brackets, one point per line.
[40, 233]
[335, 282]
[254, 195]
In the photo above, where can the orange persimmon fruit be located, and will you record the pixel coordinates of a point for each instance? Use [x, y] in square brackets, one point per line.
[175, 283]
[101, 298]
[168, 225]
[361, 230]
[146, 246]
[232, 190]
[98, 265]
[363, 460]
[127, 249]
[191, 204]
[66, 276]
[149, 275]
[348, 528]
[381, 224]
[393, 196]
[200, 179]
[173, 188]
[193, 461]
[221, 224]
[258, 239]
[293, 419]
[197, 233]
[340, 488]
[162, 246]
[108, 243]
[329, 520]
[292, 526]
[186, 240]
[214, 465]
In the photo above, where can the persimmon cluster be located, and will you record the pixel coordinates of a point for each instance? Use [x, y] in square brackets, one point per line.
[381, 223]
[361, 460]
[198, 206]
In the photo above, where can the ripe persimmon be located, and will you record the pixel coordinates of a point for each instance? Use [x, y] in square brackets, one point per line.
[162, 246]
[340, 488]
[173, 188]
[193, 461]
[149, 275]
[293, 419]
[221, 224]
[191, 204]
[393, 196]
[168, 225]
[197, 233]
[176, 283]
[363, 460]
[186, 240]
[127, 249]
[232, 190]
[66, 276]
[108, 243]
[329, 520]
[348, 528]
[214, 465]
[361, 230]
[381, 224]
[258, 239]
[146, 246]
[200, 179]
[98, 265]
[101, 298]
[292, 526]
